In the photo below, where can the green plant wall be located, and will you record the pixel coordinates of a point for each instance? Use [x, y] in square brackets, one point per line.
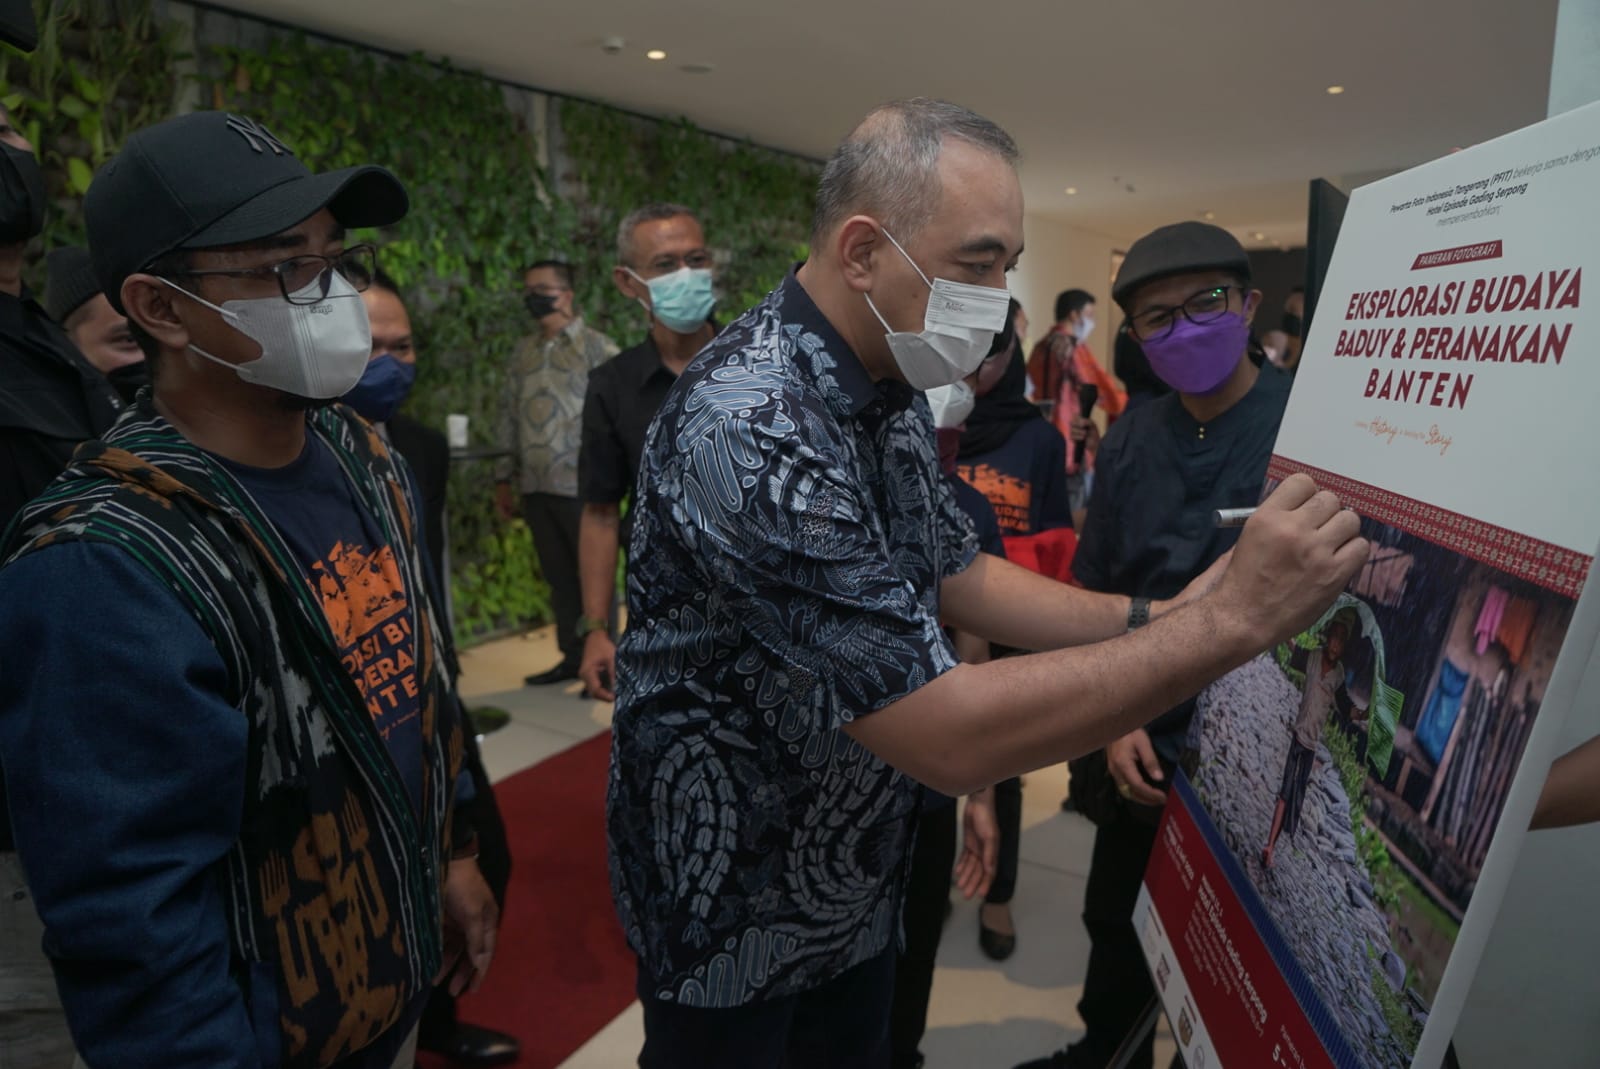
[481, 208]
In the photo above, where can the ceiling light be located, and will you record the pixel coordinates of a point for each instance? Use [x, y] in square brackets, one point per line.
[655, 53]
[1260, 236]
[1335, 90]
[1210, 216]
[1072, 191]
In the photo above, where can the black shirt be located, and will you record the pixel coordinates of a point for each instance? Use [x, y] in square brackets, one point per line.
[51, 399]
[1158, 478]
[623, 397]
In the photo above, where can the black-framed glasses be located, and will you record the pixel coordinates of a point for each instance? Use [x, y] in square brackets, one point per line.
[307, 279]
[1207, 306]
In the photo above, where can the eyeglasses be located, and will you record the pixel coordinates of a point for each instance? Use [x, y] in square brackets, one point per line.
[299, 276]
[696, 260]
[1207, 306]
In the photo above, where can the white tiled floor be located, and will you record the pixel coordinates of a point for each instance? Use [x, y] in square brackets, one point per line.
[983, 1015]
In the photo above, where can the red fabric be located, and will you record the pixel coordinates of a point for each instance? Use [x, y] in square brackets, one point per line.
[1048, 552]
[562, 970]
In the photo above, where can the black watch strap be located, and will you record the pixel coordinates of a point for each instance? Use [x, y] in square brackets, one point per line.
[1138, 613]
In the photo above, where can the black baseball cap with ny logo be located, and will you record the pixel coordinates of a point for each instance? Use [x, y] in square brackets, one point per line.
[210, 179]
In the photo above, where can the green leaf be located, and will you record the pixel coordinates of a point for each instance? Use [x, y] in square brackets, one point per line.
[72, 107]
[79, 175]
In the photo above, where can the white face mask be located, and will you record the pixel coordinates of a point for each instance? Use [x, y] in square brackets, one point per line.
[317, 351]
[957, 330]
[951, 404]
[1085, 328]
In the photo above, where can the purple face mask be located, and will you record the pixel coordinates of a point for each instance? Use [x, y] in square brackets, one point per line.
[1197, 358]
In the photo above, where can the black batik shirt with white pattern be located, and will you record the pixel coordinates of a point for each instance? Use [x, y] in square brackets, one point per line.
[791, 531]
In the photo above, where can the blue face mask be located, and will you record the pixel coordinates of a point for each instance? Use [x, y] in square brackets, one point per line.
[682, 300]
[383, 386]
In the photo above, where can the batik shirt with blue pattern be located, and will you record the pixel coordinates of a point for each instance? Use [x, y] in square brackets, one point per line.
[791, 531]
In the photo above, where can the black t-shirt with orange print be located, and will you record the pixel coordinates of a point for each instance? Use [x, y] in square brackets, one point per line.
[1025, 479]
[352, 569]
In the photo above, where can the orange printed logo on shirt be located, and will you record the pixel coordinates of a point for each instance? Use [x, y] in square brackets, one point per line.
[364, 599]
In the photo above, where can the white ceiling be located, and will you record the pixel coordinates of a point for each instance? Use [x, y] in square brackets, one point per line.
[1215, 105]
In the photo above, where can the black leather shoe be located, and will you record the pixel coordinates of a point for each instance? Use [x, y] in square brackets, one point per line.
[470, 1045]
[561, 673]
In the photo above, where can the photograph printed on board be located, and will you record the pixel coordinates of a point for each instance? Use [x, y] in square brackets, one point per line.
[1358, 771]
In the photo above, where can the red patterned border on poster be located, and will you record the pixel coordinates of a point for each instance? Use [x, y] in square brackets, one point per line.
[1541, 563]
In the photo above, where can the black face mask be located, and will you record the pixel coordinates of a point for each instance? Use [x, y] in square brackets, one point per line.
[128, 379]
[1291, 325]
[539, 305]
[21, 195]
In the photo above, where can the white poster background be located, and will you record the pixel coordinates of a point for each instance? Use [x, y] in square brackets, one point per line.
[1521, 453]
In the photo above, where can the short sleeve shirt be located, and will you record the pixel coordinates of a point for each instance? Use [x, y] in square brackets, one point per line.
[624, 395]
[792, 528]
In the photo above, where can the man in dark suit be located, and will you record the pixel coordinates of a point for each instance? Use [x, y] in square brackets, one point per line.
[378, 396]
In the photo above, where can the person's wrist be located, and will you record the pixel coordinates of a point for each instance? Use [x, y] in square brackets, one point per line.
[1138, 613]
[1231, 627]
[590, 626]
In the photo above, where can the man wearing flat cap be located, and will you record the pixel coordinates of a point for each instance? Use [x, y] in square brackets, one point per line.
[234, 794]
[1162, 471]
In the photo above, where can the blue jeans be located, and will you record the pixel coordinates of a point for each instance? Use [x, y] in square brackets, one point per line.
[844, 1024]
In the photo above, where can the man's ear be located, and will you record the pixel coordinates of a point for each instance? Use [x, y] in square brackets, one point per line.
[856, 244]
[630, 287]
[1252, 304]
[150, 303]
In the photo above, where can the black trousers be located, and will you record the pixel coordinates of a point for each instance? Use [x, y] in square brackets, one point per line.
[927, 893]
[844, 1024]
[553, 520]
[494, 861]
[1117, 987]
[1008, 814]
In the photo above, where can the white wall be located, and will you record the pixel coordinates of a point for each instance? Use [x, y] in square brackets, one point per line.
[1058, 256]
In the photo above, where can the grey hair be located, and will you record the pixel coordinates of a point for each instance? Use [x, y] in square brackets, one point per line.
[888, 166]
[649, 213]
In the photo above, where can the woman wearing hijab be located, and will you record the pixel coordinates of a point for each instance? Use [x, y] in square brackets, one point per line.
[1009, 451]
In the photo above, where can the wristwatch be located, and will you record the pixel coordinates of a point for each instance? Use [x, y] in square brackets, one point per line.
[588, 625]
[1138, 613]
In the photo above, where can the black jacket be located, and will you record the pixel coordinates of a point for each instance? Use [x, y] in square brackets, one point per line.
[428, 454]
[51, 399]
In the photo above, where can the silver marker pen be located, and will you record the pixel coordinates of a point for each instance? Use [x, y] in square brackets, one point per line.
[1233, 517]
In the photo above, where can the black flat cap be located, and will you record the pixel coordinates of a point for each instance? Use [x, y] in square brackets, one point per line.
[1176, 250]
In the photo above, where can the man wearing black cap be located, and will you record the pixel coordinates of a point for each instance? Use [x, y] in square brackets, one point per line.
[1162, 471]
[234, 794]
[73, 299]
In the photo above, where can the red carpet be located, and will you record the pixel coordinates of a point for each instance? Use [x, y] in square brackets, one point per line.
[562, 970]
